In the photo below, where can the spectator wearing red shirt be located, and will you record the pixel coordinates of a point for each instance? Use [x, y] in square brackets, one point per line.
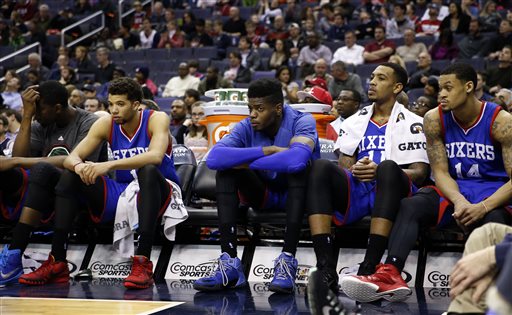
[379, 50]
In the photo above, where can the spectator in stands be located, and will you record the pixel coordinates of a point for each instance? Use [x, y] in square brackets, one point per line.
[235, 25]
[443, 10]
[82, 61]
[270, 122]
[236, 73]
[150, 104]
[432, 87]
[11, 95]
[189, 23]
[292, 12]
[32, 78]
[310, 28]
[367, 168]
[196, 138]
[250, 57]
[5, 142]
[89, 91]
[379, 50]
[410, 12]
[220, 39]
[327, 19]
[142, 77]
[34, 62]
[315, 95]
[432, 25]
[489, 18]
[14, 118]
[457, 21]
[193, 66]
[191, 96]
[279, 56]
[172, 37]
[26, 9]
[343, 80]
[157, 16]
[501, 76]
[398, 60]
[127, 39]
[473, 45]
[422, 105]
[62, 60]
[4, 32]
[502, 39]
[469, 191]
[278, 31]
[321, 69]
[148, 37]
[16, 39]
[366, 27]
[410, 50]
[199, 38]
[338, 28]
[105, 69]
[485, 254]
[295, 41]
[104, 39]
[179, 122]
[76, 99]
[169, 15]
[138, 16]
[268, 12]
[346, 104]
[396, 26]
[213, 81]
[82, 8]
[289, 87]
[423, 70]
[177, 85]
[311, 53]
[42, 18]
[67, 76]
[481, 86]
[40, 146]
[445, 47]
[504, 99]
[351, 53]
[93, 105]
[254, 38]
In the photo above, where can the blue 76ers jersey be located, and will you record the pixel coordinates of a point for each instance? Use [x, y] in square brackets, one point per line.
[372, 143]
[125, 147]
[474, 158]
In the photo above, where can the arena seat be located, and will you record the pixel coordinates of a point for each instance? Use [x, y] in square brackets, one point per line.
[185, 164]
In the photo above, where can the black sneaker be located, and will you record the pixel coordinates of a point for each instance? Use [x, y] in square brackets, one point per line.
[321, 297]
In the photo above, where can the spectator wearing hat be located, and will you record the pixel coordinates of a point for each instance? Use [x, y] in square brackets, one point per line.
[343, 80]
[351, 53]
[379, 50]
[430, 26]
[213, 81]
[148, 37]
[311, 53]
[142, 76]
[295, 41]
[424, 69]
[177, 85]
[321, 71]
[89, 91]
[315, 95]
[236, 72]
[442, 9]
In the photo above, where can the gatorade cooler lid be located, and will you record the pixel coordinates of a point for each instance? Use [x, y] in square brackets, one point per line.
[210, 110]
[314, 108]
[227, 94]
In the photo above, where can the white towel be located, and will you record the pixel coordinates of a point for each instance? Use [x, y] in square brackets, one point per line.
[405, 140]
[127, 217]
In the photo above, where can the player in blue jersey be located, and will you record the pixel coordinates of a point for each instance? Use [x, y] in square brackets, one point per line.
[469, 145]
[382, 154]
[263, 163]
[141, 146]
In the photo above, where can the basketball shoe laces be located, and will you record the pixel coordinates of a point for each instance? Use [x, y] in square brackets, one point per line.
[222, 266]
[282, 270]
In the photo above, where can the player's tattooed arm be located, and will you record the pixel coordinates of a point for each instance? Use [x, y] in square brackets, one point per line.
[501, 131]
[436, 150]
[418, 172]
[346, 161]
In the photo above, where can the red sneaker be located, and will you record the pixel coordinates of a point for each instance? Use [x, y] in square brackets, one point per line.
[385, 283]
[141, 276]
[50, 271]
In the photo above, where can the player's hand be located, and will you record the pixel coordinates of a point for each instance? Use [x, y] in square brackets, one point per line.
[272, 149]
[364, 170]
[7, 163]
[472, 214]
[29, 98]
[469, 270]
[92, 171]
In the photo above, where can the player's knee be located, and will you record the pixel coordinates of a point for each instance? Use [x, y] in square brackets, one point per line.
[388, 170]
[225, 181]
[67, 184]
[44, 175]
[298, 179]
[148, 172]
[321, 169]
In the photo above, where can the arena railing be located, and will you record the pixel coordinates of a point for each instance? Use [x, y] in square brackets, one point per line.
[82, 21]
[121, 15]
[19, 52]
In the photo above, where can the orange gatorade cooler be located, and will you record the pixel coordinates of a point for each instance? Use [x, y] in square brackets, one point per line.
[221, 115]
[321, 114]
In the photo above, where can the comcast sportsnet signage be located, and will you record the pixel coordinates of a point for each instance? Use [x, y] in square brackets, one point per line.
[438, 269]
[36, 254]
[107, 263]
[191, 262]
[262, 267]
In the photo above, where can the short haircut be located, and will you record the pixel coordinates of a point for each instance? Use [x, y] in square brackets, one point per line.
[10, 112]
[339, 65]
[269, 89]
[355, 94]
[381, 27]
[432, 101]
[400, 73]
[236, 54]
[193, 93]
[126, 86]
[462, 71]
[52, 93]
[4, 120]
